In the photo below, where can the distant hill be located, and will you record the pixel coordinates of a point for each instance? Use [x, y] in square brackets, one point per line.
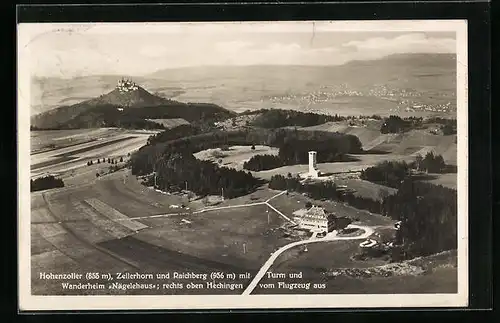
[139, 98]
[403, 64]
[127, 106]
[431, 79]
[48, 93]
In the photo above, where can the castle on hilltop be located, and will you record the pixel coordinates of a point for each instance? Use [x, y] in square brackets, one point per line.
[126, 85]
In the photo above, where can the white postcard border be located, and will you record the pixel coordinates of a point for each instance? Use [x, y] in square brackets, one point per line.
[28, 302]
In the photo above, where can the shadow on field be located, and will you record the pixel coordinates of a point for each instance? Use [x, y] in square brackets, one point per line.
[424, 177]
[374, 152]
[154, 257]
[52, 162]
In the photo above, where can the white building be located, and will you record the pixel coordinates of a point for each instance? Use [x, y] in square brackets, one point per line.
[315, 219]
[313, 171]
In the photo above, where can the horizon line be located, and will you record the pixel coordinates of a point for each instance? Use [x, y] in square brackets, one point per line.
[237, 65]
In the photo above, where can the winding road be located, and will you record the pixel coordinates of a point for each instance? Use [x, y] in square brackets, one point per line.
[330, 237]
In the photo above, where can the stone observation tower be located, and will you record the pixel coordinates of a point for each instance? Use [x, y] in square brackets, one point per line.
[313, 171]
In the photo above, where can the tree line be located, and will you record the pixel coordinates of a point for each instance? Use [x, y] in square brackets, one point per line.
[277, 118]
[430, 163]
[263, 162]
[448, 126]
[45, 183]
[296, 152]
[396, 124]
[295, 143]
[392, 173]
[284, 114]
[388, 173]
[180, 131]
[198, 140]
[109, 161]
[428, 213]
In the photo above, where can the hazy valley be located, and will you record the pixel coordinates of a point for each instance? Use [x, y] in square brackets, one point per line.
[409, 84]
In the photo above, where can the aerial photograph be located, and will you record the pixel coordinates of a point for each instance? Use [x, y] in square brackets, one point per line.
[219, 159]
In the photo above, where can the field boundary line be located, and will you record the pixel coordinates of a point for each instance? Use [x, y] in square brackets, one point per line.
[153, 216]
[228, 207]
[59, 222]
[275, 196]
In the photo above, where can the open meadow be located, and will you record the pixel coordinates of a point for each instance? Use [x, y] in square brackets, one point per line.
[235, 156]
[115, 224]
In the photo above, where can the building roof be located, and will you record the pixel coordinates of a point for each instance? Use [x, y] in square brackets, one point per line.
[315, 212]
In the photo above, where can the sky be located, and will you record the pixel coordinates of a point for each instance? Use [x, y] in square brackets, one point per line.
[71, 50]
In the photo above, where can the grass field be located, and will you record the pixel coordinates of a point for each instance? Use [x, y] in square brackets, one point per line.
[235, 156]
[365, 188]
[53, 139]
[241, 237]
[72, 149]
[86, 228]
[447, 180]
[66, 230]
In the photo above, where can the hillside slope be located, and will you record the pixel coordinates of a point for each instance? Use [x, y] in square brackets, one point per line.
[413, 142]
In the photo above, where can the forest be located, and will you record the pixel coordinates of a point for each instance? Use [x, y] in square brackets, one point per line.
[428, 215]
[430, 163]
[277, 118]
[396, 124]
[295, 151]
[176, 171]
[263, 162]
[388, 173]
[392, 173]
[448, 126]
[181, 131]
[45, 183]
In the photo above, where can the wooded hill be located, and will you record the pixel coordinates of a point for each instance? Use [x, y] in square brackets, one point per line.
[127, 110]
